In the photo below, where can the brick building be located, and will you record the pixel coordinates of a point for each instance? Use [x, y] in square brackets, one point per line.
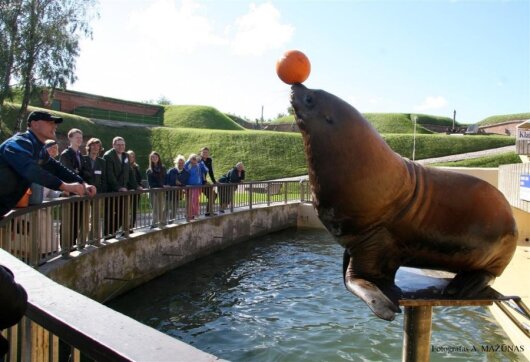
[505, 128]
[94, 106]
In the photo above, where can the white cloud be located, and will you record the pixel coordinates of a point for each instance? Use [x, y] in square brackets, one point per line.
[181, 28]
[430, 103]
[260, 30]
[178, 29]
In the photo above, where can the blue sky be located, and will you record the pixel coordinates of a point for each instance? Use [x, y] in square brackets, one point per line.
[381, 56]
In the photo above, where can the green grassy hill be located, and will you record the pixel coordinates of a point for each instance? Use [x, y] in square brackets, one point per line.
[503, 118]
[438, 145]
[435, 120]
[198, 117]
[242, 122]
[393, 122]
[285, 119]
[267, 155]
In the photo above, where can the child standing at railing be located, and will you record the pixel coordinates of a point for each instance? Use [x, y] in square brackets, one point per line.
[196, 169]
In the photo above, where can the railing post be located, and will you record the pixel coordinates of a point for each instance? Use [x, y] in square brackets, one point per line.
[250, 195]
[66, 227]
[286, 191]
[126, 200]
[94, 235]
[188, 203]
[233, 193]
[4, 238]
[26, 349]
[211, 199]
[161, 198]
[269, 194]
[82, 216]
[34, 225]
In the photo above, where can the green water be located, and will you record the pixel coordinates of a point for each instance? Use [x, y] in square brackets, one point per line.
[281, 298]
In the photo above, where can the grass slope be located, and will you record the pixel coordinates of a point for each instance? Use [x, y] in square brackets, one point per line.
[267, 155]
[438, 145]
[393, 122]
[198, 117]
[504, 118]
[487, 161]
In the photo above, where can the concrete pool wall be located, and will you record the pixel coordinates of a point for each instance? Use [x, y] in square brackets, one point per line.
[107, 271]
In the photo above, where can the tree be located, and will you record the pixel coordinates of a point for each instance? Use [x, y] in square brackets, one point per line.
[10, 12]
[163, 101]
[47, 35]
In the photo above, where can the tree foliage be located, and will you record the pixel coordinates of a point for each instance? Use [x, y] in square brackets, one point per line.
[39, 44]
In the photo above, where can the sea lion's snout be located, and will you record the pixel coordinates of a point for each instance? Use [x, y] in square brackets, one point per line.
[298, 91]
[301, 100]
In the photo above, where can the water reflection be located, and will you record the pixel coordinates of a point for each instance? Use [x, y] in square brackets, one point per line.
[281, 297]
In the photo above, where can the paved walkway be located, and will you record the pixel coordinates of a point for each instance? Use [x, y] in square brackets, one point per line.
[469, 155]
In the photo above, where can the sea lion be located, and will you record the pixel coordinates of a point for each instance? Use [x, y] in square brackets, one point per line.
[387, 211]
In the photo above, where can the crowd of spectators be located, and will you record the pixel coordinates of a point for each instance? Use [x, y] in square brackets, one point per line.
[113, 171]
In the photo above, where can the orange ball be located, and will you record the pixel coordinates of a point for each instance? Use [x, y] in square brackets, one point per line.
[293, 67]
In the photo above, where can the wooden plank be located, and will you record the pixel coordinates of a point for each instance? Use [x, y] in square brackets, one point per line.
[426, 287]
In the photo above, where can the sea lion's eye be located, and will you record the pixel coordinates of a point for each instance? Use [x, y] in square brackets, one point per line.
[329, 120]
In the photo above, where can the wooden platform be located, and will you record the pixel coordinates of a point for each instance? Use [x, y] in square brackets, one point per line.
[423, 289]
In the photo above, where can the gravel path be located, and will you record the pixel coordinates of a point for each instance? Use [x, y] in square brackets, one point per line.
[465, 156]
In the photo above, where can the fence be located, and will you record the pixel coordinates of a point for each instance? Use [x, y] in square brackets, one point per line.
[39, 233]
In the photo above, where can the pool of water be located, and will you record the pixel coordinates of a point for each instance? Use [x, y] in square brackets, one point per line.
[281, 298]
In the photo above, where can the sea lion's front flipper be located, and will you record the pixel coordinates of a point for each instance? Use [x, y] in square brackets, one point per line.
[370, 293]
[469, 284]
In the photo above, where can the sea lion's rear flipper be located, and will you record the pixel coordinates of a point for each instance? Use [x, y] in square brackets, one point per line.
[469, 284]
[383, 304]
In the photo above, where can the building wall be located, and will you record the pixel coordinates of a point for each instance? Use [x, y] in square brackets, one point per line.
[505, 128]
[70, 100]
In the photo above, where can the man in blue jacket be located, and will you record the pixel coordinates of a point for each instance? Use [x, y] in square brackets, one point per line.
[24, 160]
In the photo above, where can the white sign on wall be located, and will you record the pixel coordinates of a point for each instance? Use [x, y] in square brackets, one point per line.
[523, 134]
[524, 188]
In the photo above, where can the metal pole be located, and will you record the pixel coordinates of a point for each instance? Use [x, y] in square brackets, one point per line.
[417, 334]
[415, 119]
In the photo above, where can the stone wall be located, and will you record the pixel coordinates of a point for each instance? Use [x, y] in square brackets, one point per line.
[105, 272]
[505, 128]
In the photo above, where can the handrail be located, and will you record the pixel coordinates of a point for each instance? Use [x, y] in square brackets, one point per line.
[39, 233]
[87, 326]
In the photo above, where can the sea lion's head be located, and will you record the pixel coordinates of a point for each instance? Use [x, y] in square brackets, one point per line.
[348, 161]
[320, 112]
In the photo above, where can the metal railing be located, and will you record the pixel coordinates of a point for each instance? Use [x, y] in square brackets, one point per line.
[63, 325]
[39, 233]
